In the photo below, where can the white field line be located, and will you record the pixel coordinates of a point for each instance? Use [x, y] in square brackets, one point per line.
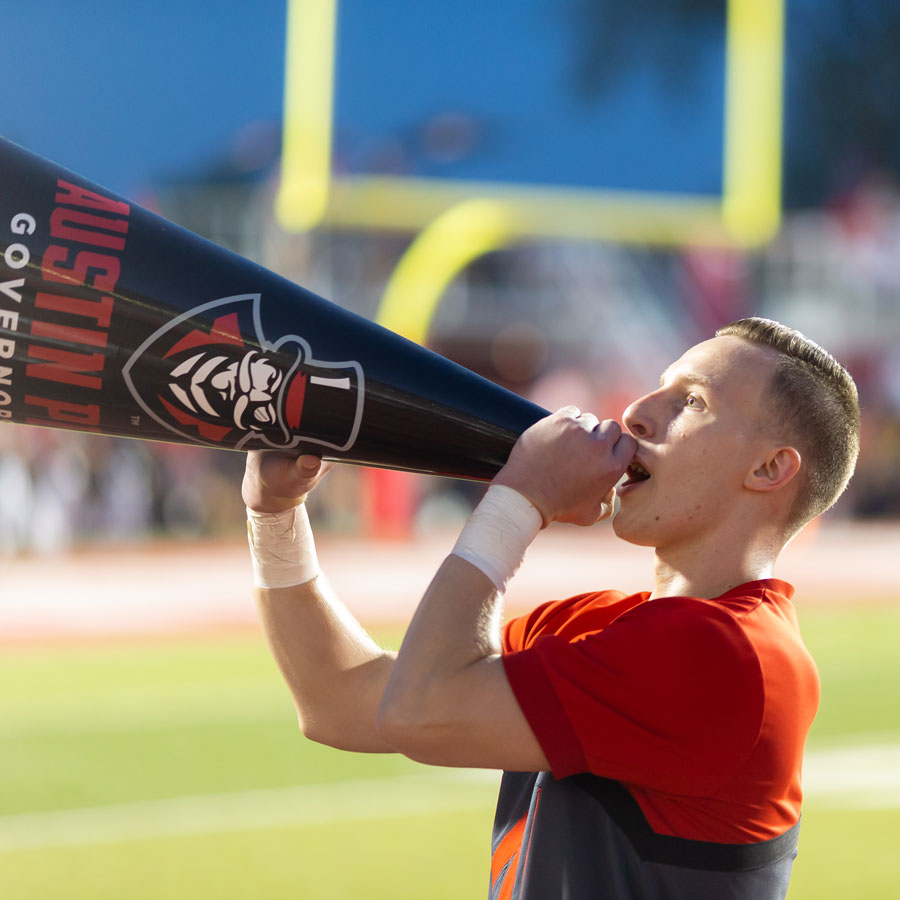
[853, 776]
[845, 776]
[314, 804]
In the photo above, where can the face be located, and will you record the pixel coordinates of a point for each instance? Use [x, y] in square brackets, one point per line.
[241, 390]
[698, 436]
[251, 384]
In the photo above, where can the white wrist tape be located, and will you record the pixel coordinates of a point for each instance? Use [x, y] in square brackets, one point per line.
[282, 548]
[498, 533]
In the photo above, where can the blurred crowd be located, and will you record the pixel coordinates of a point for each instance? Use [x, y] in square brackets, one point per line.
[60, 488]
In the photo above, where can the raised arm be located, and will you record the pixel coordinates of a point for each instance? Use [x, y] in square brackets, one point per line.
[448, 701]
[334, 669]
[445, 698]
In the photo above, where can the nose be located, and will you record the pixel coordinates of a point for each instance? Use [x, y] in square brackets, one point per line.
[638, 418]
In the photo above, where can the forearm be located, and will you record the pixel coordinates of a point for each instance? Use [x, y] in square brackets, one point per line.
[433, 687]
[448, 701]
[445, 699]
[335, 671]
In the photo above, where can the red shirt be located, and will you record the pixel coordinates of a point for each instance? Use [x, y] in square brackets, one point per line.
[699, 707]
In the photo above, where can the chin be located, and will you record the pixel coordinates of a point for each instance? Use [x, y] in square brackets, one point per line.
[632, 531]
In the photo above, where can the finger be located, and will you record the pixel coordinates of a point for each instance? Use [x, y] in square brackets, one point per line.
[609, 429]
[608, 505]
[275, 465]
[568, 412]
[625, 448]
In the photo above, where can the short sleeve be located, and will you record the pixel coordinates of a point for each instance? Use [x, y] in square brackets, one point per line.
[570, 618]
[669, 696]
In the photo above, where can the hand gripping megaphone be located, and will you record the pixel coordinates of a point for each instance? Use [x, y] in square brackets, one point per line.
[116, 321]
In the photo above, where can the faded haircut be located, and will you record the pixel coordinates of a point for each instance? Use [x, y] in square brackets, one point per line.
[816, 408]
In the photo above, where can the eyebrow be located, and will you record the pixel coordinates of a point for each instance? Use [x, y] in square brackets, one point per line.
[690, 377]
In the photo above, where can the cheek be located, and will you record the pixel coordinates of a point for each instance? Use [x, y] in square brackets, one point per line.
[698, 478]
[687, 460]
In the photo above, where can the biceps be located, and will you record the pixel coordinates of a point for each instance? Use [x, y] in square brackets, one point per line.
[470, 719]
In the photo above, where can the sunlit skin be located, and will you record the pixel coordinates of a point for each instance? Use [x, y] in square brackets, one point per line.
[716, 503]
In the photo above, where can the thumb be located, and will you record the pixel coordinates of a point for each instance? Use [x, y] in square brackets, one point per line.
[307, 466]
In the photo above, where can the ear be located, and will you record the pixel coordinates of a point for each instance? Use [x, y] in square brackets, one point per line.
[775, 471]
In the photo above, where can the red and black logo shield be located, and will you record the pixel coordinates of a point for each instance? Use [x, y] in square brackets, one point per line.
[211, 376]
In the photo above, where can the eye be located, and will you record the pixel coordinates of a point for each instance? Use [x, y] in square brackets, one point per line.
[692, 401]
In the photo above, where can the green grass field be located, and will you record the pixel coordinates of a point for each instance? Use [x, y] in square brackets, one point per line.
[173, 770]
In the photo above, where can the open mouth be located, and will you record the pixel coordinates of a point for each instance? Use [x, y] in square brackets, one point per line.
[636, 473]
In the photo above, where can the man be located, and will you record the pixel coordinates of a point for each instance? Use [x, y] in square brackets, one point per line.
[651, 744]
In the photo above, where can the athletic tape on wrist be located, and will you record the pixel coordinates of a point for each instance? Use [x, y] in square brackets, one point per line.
[498, 533]
[282, 548]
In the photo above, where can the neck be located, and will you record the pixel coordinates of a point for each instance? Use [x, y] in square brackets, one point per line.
[711, 569]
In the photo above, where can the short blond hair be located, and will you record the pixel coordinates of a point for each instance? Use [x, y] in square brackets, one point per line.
[816, 408]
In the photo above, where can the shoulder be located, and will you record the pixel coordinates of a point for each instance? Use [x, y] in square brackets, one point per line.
[694, 640]
[570, 619]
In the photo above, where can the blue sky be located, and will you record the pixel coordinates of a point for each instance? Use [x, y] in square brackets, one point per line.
[128, 94]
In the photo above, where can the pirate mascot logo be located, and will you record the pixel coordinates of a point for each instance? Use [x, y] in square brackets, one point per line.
[210, 376]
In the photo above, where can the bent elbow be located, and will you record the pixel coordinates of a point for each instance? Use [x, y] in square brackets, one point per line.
[317, 730]
[343, 730]
[394, 723]
[309, 729]
[411, 729]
